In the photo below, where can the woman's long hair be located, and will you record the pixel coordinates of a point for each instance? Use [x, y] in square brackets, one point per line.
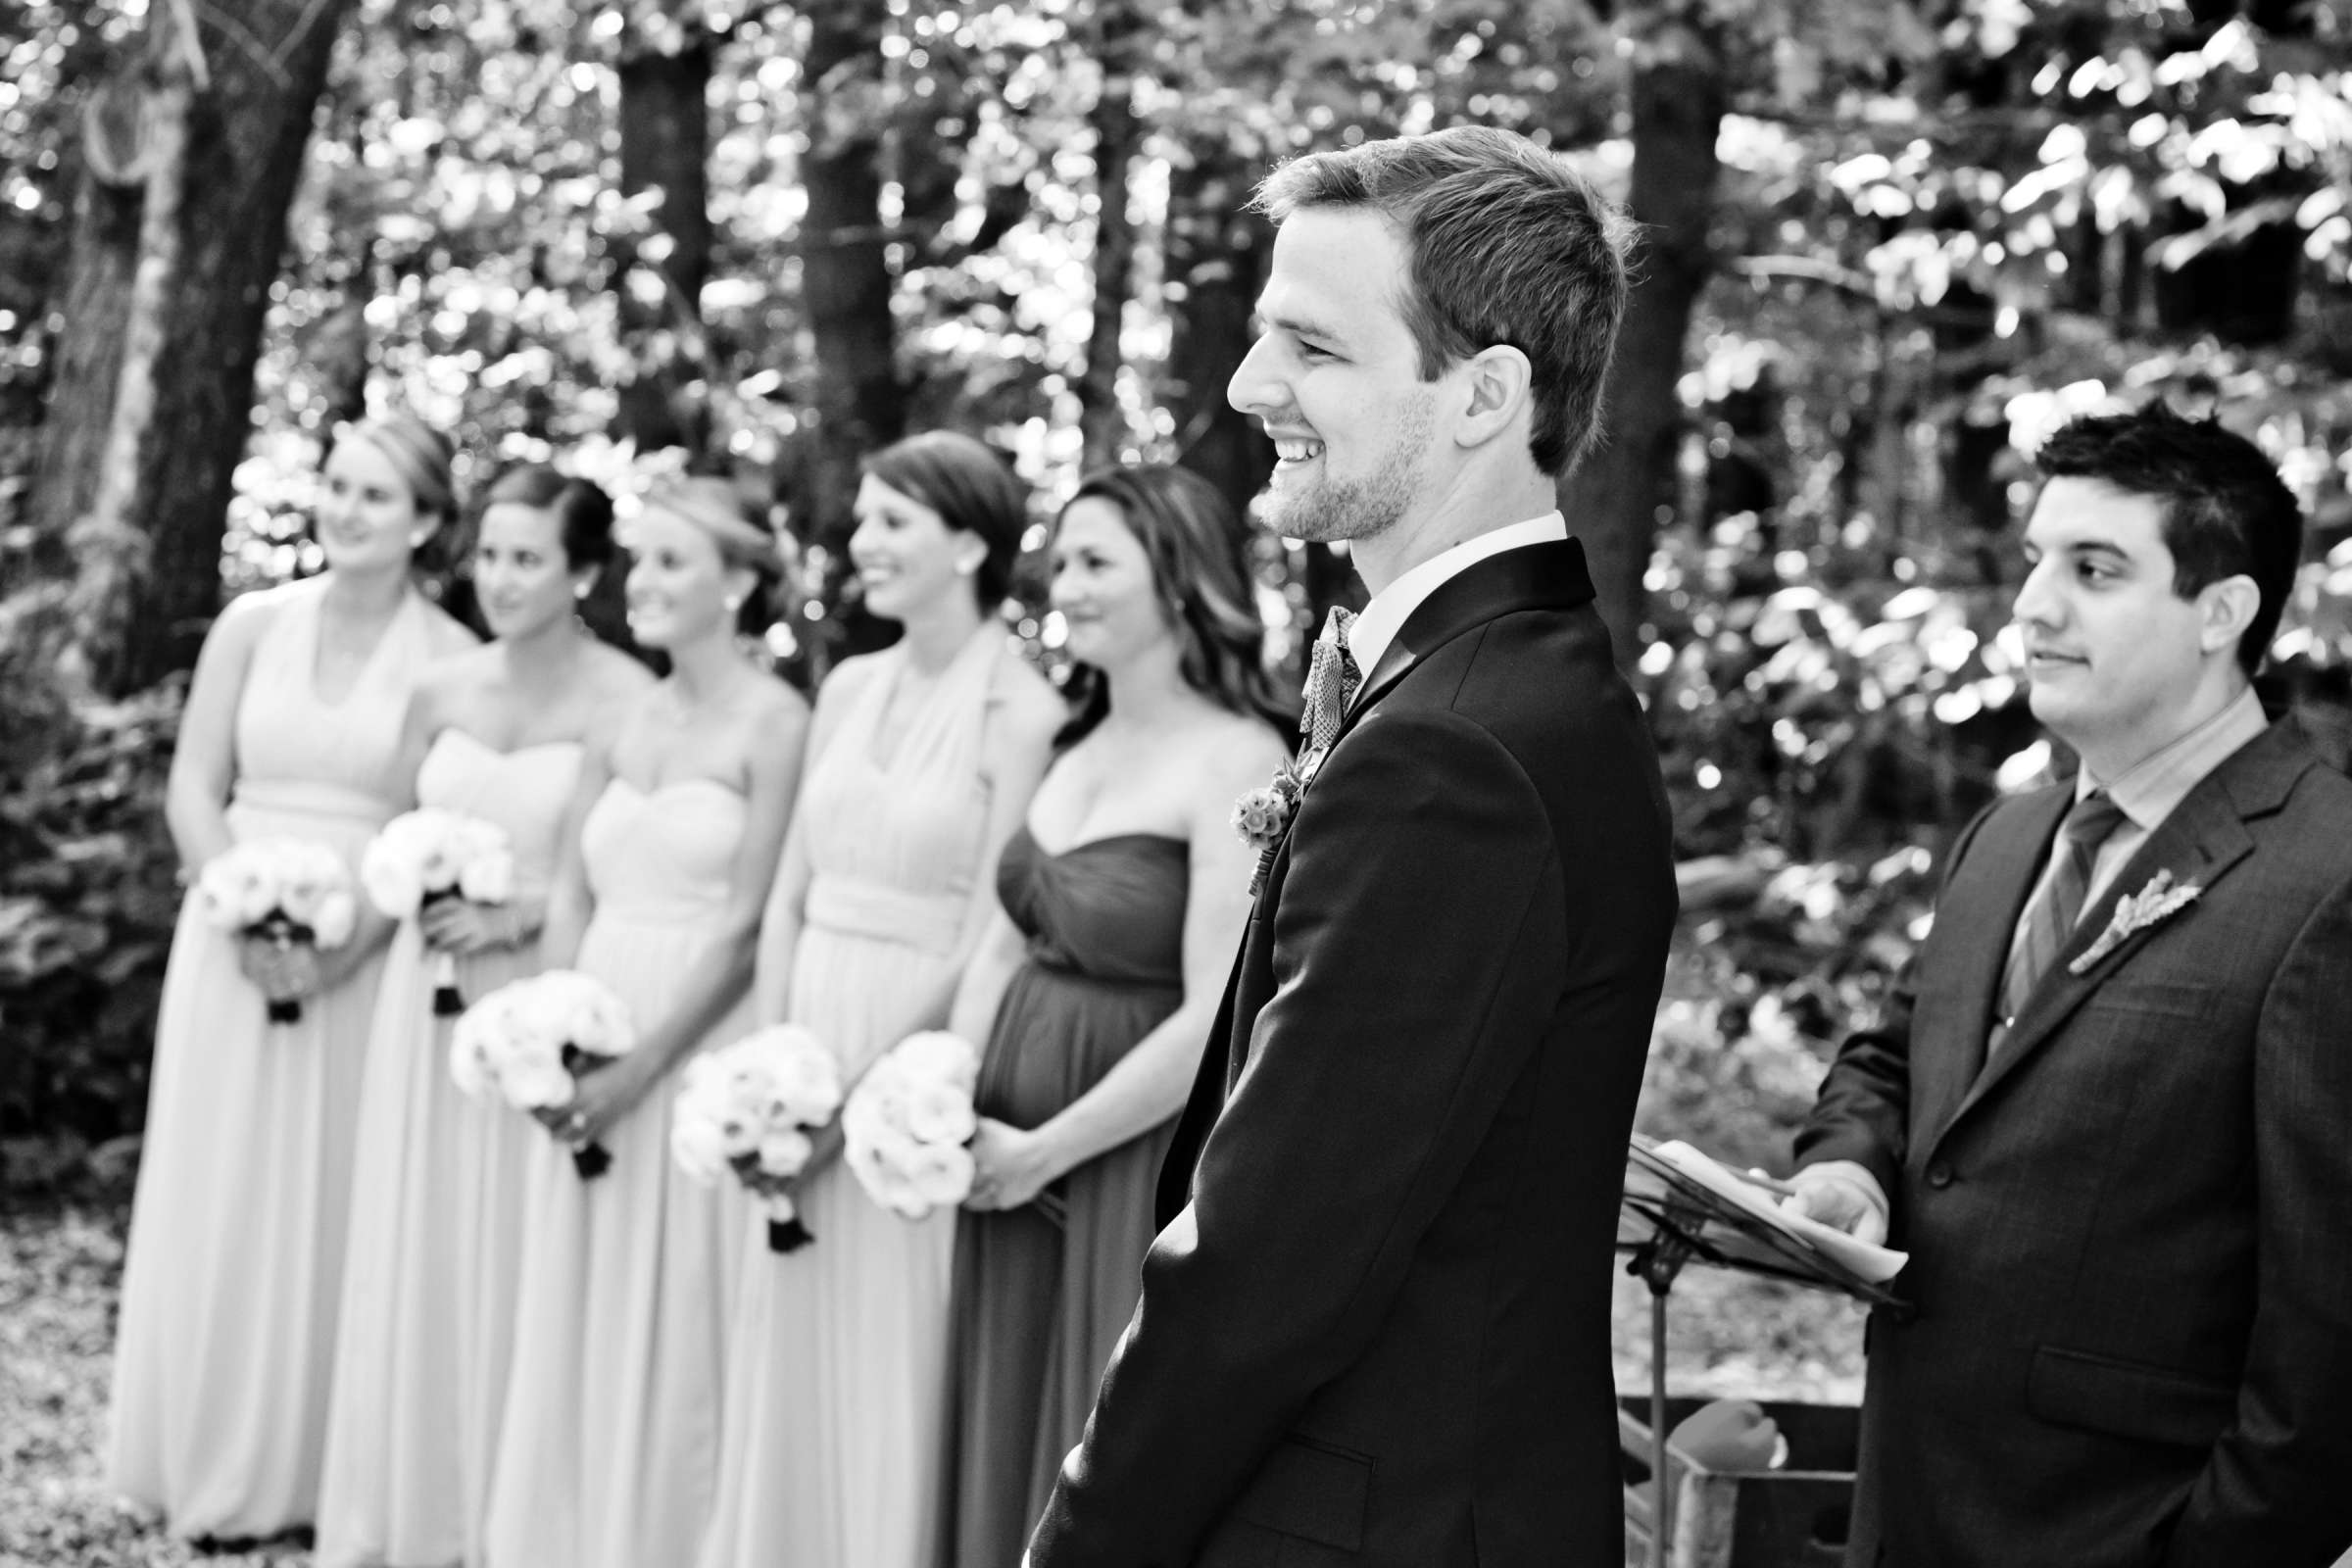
[1200, 556]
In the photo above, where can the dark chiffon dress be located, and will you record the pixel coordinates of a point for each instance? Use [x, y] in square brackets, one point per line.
[1040, 1300]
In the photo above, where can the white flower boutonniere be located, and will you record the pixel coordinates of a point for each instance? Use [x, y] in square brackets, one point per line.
[1262, 815]
[2152, 905]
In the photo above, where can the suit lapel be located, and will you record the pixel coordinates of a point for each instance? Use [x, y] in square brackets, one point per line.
[1974, 924]
[2199, 842]
[1545, 576]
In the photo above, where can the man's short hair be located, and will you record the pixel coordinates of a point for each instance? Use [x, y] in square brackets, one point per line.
[2225, 511]
[1506, 243]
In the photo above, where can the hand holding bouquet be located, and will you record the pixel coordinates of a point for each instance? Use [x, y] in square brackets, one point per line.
[426, 856]
[285, 891]
[532, 1039]
[751, 1108]
[908, 1120]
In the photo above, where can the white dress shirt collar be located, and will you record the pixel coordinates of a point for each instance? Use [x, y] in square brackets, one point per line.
[1391, 607]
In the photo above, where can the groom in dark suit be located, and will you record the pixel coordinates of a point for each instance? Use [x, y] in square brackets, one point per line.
[1375, 1327]
[2111, 1118]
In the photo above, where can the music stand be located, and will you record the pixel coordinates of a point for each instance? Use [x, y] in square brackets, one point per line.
[1668, 1219]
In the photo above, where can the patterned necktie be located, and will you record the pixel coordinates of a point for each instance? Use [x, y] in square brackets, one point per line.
[2057, 904]
[1330, 682]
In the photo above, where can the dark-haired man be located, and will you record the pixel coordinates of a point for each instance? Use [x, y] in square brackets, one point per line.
[2111, 1118]
[1375, 1328]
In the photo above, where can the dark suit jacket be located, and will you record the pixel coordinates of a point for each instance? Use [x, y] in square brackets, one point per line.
[1375, 1329]
[2131, 1237]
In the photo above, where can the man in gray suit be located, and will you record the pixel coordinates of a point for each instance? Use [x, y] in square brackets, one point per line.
[2111, 1117]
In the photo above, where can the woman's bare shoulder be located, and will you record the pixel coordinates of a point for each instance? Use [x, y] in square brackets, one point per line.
[445, 635]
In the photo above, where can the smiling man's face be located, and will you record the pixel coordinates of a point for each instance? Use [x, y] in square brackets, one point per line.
[1335, 378]
[2113, 654]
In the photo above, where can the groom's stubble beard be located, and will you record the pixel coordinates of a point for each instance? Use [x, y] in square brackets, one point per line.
[1333, 509]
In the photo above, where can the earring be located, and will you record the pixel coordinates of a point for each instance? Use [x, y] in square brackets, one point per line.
[579, 590]
[417, 540]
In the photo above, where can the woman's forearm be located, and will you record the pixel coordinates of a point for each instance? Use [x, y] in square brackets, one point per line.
[1142, 1089]
[524, 919]
[981, 989]
[711, 988]
[559, 931]
[771, 981]
[199, 823]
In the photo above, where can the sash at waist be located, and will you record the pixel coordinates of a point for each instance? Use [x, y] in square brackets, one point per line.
[298, 797]
[930, 922]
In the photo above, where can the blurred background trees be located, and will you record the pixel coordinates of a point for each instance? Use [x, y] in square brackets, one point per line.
[1887, 244]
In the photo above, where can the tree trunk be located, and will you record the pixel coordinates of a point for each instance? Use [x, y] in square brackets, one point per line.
[104, 256]
[665, 146]
[1216, 259]
[1116, 133]
[165, 339]
[1613, 500]
[845, 271]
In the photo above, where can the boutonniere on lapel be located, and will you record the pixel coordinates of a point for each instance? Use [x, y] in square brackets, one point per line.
[1262, 815]
[2152, 905]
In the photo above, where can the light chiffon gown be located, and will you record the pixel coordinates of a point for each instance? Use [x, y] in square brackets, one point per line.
[234, 1263]
[608, 1444]
[838, 1375]
[436, 1221]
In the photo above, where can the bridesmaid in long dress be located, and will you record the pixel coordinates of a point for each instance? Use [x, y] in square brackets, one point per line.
[428, 1291]
[610, 1438]
[1123, 895]
[235, 1259]
[925, 754]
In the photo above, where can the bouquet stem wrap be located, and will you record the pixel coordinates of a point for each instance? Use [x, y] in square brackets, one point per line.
[751, 1106]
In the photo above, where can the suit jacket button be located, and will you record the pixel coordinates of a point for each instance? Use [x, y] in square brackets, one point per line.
[1940, 1174]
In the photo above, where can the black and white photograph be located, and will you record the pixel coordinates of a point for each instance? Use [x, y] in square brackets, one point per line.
[1175, 784]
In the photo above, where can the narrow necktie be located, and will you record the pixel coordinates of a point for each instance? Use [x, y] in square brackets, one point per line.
[2057, 904]
[1330, 682]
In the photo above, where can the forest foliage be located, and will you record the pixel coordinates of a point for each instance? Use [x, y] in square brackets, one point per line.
[1894, 241]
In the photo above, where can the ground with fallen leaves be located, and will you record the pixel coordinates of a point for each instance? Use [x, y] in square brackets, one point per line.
[61, 1264]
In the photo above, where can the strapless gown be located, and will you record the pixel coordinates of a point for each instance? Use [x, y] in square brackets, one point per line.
[1040, 1305]
[234, 1266]
[608, 1443]
[437, 1220]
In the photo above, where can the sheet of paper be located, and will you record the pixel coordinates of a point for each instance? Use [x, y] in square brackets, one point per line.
[1877, 1264]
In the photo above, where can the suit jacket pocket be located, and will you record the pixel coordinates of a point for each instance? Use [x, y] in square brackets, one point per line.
[2128, 1398]
[1311, 1490]
[2124, 992]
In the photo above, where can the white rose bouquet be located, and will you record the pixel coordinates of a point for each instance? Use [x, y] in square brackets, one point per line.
[532, 1039]
[282, 890]
[750, 1107]
[425, 857]
[908, 1120]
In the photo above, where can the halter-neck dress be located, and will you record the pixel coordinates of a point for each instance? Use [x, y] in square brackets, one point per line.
[608, 1441]
[436, 1227]
[1040, 1301]
[234, 1263]
[833, 1416]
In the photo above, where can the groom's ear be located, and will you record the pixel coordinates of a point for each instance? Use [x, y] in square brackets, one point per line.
[1498, 384]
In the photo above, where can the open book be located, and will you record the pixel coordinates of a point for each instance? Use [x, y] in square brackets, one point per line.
[1877, 1264]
